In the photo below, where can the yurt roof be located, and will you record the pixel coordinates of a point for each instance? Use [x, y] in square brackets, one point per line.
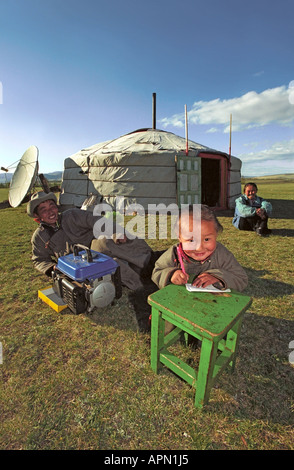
[147, 141]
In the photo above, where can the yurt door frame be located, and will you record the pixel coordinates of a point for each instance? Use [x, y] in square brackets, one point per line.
[218, 178]
[189, 179]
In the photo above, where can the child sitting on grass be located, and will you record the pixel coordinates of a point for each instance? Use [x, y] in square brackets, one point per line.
[198, 258]
[252, 212]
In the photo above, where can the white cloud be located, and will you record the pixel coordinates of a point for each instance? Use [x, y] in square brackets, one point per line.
[258, 74]
[252, 144]
[279, 151]
[277, 159]
[267, 167]
[248, 111]
[177, 120]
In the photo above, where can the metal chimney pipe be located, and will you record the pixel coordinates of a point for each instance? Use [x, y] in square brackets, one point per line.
[153, 110]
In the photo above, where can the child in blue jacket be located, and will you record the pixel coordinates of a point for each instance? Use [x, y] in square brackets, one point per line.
[252, 211]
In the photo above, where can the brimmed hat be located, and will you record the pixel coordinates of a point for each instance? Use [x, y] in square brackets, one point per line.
[36, 199]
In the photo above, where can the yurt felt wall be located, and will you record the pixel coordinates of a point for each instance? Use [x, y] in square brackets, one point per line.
[234, 183]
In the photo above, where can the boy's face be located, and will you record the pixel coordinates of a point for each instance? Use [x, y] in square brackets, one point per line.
[250, 191]
[199, 245]
[47, 211]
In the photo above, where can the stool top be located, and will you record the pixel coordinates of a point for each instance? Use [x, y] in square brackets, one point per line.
[205, 311]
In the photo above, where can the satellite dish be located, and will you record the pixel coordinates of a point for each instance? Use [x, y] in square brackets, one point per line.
[24, 176]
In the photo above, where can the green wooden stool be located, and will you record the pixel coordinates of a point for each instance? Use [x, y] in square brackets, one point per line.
[215, 319]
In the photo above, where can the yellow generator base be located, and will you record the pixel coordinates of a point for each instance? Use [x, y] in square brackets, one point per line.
[52, 299]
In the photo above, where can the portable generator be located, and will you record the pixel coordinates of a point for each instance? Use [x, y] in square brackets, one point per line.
[86, 279]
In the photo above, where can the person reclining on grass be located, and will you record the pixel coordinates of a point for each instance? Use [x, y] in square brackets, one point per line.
[58, 232]
[252, 211]
[198, 258]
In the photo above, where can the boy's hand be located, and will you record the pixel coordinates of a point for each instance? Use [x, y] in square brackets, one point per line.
[179, 277]
[204, 280]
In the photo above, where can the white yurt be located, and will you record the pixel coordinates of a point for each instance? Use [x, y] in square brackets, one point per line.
[151, 166]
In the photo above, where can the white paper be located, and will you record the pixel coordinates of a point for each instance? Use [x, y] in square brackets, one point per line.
[209, 288]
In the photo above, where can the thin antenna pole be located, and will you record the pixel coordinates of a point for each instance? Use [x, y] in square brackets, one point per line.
[153, 110]
[186, 119]
[229, 166]
[230, 145]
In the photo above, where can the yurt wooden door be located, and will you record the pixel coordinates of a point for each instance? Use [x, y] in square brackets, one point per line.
[188, 179]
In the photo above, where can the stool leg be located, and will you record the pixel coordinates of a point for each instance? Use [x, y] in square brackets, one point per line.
[233, 340]
[157, 338]
[205, 372]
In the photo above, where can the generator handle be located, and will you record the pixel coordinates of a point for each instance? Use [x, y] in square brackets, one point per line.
[88, 251]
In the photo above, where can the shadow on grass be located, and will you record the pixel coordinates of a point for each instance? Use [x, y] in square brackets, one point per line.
[118, 315]
[261, 386]
[282, 209]
[261, 287]
[283, 232]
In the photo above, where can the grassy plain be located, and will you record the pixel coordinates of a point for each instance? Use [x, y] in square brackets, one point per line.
[84, 382]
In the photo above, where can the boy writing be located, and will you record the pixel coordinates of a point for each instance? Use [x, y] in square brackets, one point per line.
[198, 258]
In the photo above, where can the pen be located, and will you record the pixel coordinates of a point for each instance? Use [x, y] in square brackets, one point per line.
[179, 251]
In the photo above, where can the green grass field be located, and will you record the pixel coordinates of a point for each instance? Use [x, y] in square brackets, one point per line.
[85, 382]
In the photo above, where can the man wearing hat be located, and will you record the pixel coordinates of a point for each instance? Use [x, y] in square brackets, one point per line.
[58, 232]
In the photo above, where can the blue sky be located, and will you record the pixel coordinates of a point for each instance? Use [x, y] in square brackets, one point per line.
[77, 73]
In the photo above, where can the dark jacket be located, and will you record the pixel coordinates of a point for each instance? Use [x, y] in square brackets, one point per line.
[49, 243]
[76, 226]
